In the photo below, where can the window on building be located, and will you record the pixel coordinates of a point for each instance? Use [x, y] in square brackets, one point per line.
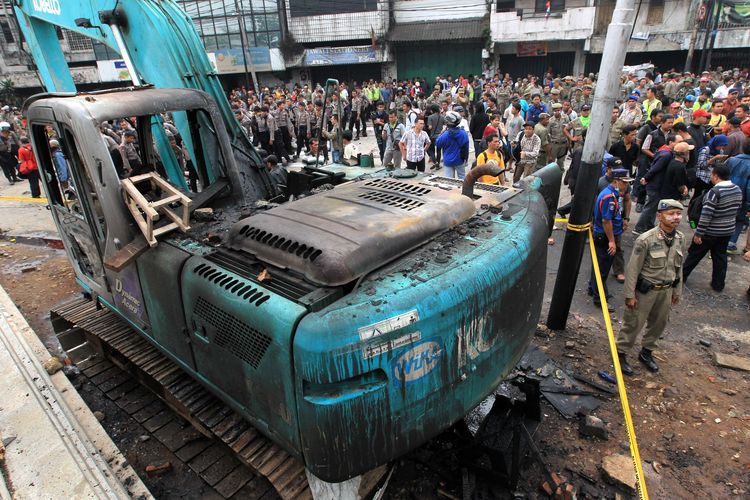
[7, 32]
[540, 6]
[219, 25]
[505, 6]
[655, 12]
[77, 42]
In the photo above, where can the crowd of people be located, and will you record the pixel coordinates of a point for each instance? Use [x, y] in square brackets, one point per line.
[675, 140]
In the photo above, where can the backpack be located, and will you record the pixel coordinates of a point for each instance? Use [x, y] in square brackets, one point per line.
[695, 207]
[517, 150]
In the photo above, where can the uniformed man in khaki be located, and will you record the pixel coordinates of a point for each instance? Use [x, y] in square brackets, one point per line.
[652, 285]
[557, 140]
[574, 129]
[542, 131]
[585, 98]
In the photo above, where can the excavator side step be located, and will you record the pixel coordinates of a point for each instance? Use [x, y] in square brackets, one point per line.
[131, 359]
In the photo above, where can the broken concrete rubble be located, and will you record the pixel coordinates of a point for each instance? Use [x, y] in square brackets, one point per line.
[618, 469]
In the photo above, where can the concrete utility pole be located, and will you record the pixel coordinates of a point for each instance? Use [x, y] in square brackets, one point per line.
[607, 89]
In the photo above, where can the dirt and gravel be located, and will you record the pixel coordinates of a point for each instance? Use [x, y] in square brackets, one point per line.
[692, 418]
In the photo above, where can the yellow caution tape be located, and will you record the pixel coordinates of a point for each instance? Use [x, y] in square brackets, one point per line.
[579, 228]
[634, 453]
[23, 198]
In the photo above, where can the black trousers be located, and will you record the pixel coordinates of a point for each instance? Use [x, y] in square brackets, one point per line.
[363, 118]
[286, 138]
[301, 139]
[33, 178]
[717, 245]
[354, 121]
[279, 146]
[265, 141]
[379, 138]
[415, 165]
[9, 163]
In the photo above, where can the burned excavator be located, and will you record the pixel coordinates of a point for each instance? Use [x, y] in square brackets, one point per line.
[349, 325]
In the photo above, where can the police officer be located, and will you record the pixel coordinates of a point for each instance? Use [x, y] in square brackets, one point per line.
[608, 228]
[652, 284]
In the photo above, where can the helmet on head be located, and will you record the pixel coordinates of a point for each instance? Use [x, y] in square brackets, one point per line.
[4, 126]
[452, 118]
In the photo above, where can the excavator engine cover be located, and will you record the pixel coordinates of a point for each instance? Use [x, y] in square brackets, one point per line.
[338, 236]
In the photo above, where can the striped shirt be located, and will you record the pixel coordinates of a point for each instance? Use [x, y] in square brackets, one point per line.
[719, 213]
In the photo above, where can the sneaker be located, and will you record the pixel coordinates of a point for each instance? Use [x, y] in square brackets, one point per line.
[636, 232]
[639, 207]
[732, 249]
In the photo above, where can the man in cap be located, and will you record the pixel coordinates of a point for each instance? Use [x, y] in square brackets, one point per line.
[540, 129]
[735, 136]
[9, 145]
[574, 129]
[731, 102]
[558, 144]
[684, 112]
[608, 228]
[584, 99]
[615, 128]
[652, 285]
[554, 97]
[631, 113]
[674, 185]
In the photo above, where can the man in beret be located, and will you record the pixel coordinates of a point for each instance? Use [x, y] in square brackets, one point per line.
[653, 285]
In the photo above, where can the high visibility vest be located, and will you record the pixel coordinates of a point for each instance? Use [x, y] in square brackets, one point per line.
[649, 108]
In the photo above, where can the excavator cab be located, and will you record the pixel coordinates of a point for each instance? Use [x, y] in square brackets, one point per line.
[83, 169]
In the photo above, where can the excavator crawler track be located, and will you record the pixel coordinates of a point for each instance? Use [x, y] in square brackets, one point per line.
[222, 447]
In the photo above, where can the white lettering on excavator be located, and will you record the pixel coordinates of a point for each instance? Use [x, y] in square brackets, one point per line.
[471, 341]
[47, 6]
[417, 362]
[130, 302]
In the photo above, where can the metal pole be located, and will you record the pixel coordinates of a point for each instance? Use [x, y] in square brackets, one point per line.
[245, 52]
[243, 42]
[708, 22]
[125, 55]
[607, 89]
[714, 30]
[693, 37]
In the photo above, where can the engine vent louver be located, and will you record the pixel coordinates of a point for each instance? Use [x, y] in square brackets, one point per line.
[401, 187]
[392, 200]
[493, 188]
[233, 335]
[285, 244]
[228, 282]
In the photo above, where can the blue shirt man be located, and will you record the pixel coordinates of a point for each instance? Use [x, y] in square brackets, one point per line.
[454, 142]
[537, 108]
[607, 229]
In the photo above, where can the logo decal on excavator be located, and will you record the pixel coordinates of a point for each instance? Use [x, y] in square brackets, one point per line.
[417, 362]
[47, 6]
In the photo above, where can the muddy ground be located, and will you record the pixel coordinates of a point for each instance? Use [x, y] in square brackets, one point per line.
[692, 419]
